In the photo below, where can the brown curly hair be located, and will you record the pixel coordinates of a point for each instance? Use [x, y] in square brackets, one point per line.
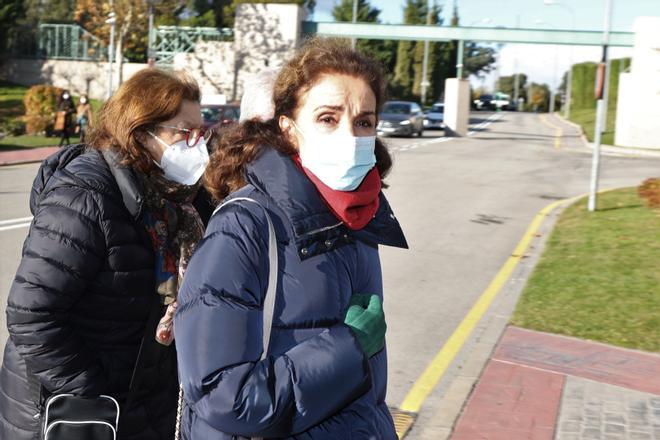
[236, 147]
[147, 98]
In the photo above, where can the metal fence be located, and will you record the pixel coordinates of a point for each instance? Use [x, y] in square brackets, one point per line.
[56, 41]
[69, 42]
[170, 40]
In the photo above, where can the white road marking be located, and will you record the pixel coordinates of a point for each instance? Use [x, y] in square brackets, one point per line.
[15, 223]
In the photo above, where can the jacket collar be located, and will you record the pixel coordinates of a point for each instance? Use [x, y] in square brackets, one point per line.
[131, 191]
[275, 174]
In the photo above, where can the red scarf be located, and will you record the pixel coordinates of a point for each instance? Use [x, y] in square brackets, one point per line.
[354, 208]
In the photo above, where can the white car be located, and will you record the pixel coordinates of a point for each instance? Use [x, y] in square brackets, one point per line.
[435, 116]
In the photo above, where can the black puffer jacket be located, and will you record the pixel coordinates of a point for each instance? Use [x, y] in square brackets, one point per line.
[80, 301]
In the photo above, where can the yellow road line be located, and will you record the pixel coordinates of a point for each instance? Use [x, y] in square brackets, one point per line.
[558, 130]
[438, 366]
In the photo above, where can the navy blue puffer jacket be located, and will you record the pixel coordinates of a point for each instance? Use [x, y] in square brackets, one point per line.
[316, 382]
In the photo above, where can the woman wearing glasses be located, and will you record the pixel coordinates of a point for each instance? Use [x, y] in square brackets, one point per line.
[114, 226]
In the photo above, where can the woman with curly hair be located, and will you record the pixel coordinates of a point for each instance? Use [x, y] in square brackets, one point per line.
[316, 169]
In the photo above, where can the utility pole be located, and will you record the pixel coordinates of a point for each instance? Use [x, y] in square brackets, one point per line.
[516, 77]
[151, 56]
[355, 13]
[424, 84]
[111, 47]
[600, 109]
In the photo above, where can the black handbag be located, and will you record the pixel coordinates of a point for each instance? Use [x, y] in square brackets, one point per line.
[71, 417]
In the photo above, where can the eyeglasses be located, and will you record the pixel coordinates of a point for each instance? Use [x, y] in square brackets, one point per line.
[193, 135]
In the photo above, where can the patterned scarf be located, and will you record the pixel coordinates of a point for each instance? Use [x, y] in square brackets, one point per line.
[174, 227]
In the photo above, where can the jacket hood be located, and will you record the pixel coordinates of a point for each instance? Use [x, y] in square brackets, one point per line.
[49, 166]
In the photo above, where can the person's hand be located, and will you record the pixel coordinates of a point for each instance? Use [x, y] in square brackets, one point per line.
[366, 318]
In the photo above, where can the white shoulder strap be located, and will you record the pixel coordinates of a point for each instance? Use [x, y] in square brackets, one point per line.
[271, 292]
[269, 300]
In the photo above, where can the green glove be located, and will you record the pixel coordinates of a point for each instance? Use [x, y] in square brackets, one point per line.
[366, 318]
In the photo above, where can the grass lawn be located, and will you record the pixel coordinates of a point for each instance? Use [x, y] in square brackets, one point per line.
[24, 141]
[598, 278]
[11, 100]
[587, 119]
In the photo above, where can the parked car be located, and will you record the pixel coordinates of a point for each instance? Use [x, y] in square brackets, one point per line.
[401, 118]
[484, 102]
[220, 114]
[435, 116]
[498, 101]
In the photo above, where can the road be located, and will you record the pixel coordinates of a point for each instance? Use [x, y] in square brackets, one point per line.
[463, 202]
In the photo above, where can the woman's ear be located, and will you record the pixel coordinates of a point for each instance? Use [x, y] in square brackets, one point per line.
[287, 128]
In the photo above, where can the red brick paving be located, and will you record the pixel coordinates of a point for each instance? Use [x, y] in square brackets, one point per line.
[511, 402]
[25, 155]
[519, 392]
[615, 366]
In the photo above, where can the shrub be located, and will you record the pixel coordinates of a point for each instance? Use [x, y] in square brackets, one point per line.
[40, 108]
[13, 127]
[649, 191]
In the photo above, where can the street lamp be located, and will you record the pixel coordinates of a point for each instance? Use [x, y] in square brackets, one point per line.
[112, 20]
[569, 79]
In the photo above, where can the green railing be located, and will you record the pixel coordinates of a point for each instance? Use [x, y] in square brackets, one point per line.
[68, 42]
[170, 40]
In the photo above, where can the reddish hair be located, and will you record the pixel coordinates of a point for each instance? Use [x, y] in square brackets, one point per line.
[240, 145]
[149, 97]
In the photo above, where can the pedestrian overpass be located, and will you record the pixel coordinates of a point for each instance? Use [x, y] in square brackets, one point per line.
[456, 108]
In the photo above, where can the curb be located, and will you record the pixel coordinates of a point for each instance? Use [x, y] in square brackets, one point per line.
[451, 388]
[623, 151]
[25, 156]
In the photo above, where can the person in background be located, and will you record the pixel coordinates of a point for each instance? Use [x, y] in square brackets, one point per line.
[257, 100]
[316, 168]
[114, 226]
[83, 117]
[64, 117]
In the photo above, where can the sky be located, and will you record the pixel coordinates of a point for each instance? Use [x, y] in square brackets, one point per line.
[542, 63]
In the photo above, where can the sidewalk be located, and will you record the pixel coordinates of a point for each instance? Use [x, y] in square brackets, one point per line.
[543, 387]
[25, 155]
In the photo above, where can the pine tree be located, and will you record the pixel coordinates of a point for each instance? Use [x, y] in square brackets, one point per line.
[414, 13]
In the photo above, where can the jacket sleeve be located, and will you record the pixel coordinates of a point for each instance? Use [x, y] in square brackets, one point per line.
[218, 329]
[61, 255]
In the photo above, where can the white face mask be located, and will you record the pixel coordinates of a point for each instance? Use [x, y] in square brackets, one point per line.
[341, 161]
[65, 96]
[181, 163]
[83, 100]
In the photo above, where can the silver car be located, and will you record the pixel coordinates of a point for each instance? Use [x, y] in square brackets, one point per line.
[403, 118]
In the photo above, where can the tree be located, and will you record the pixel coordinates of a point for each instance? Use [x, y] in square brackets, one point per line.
[384, 51]
[539, 97]
[49, 11]
[414, 13]
[10, 12]
[131, 26]
[221, 12]
[478, 60]
[506, 84]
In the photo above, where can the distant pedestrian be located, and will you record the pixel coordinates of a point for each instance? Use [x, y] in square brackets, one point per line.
[64, 117]
[83, 117]
[316, 168]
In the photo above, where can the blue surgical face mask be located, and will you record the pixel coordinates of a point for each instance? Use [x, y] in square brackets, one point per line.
[341, 161]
